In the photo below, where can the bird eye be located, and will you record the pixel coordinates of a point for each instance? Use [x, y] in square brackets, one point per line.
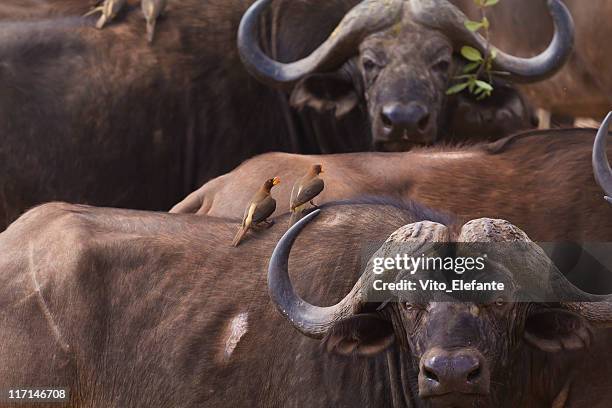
[371, 69]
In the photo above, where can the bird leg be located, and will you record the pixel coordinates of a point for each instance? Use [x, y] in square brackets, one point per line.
[313, 204]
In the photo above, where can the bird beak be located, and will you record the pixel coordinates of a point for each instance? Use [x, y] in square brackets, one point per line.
[275, 181]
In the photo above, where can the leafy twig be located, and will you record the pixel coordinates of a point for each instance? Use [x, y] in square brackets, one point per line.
[477, 63]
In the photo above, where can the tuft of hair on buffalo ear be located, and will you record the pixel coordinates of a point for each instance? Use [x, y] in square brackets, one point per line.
[326, 92]
[553, 330]
[363, 335]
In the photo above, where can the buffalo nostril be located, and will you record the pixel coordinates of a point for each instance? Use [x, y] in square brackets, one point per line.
[423, 123]
[386, 118]
[429, 374]
[474, 375]
[462, 371]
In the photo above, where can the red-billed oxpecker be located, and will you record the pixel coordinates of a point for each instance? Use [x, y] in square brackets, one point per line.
[304, 191]
[260, 207]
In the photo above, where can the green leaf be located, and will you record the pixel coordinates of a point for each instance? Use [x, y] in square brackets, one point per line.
[455, 89]
[484, 85]
[472, 66]
[472, 85]
[489, 3]
[473, 26]
[485, 23]
[471, 54]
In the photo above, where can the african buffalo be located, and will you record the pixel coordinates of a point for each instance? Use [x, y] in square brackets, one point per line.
[583, 87]
[456, 353]
[102, 117]
[135, 309]
[541, 181]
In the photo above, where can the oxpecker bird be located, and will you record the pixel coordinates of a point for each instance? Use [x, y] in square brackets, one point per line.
[304, 191]
[152, 9]
[109, 10]
[261, 206]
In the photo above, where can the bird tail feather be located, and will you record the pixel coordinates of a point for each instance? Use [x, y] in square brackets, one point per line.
[101, 22]
[295, 217]
[151, 30]
[241, 233]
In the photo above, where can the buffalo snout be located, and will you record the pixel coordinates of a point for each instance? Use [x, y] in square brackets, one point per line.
[459, 372]
[411, 121]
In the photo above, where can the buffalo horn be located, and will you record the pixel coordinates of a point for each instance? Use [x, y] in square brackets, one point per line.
[367, 17]
[596, 309]
[444, 16]
[315, 321]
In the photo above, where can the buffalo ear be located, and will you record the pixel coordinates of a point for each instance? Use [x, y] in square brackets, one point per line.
[364, 335]
[332, 91]
[554, 330]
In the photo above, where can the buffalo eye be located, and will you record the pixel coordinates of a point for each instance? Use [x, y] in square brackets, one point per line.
[371, 68]
[413, 307]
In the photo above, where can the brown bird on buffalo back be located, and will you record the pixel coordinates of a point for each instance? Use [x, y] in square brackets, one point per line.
[304, 191]
[260, 207]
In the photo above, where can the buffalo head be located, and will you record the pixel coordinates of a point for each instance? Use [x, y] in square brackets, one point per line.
[398, 57]
[461, 351]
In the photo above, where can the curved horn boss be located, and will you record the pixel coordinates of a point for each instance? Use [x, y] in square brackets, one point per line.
[314, 321]
[372, 16]
[444, 16]
[367, 17]
[597, 309]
